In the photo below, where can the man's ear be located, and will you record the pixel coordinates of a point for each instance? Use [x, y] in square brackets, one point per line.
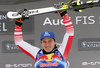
[55, 41]
[41, 42]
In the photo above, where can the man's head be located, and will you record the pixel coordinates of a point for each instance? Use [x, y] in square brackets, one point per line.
[48, 41]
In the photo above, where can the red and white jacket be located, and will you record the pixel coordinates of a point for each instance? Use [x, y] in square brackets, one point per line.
[32, 50]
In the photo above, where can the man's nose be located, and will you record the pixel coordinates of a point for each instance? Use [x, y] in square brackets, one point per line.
[47, 43]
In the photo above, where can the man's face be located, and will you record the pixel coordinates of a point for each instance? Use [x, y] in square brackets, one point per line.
[48, 44]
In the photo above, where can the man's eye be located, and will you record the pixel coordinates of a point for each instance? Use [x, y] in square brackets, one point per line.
[44, 41]
[50, 41]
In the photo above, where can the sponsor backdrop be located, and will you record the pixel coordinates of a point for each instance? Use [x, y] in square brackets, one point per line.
[85, 50]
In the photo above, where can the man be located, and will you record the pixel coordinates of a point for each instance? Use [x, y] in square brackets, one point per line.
[50, 56]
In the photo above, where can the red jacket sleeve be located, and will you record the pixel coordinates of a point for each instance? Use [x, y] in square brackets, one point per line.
[68, 37]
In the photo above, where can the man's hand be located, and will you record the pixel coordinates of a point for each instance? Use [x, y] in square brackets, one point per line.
[24, 14]
[60, 5]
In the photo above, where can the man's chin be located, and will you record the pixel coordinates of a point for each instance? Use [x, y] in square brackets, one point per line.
[48, 51]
